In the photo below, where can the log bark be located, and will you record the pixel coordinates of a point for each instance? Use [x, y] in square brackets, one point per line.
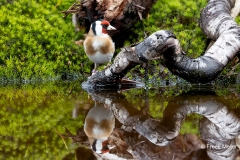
[122, 14]
[236, 10]
[216, 22]
[129, 57]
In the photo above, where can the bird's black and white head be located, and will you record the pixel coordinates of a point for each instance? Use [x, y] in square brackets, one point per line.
[100, 27]
[101, 146]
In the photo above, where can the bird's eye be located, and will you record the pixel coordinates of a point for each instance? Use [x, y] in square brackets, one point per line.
[104, 25]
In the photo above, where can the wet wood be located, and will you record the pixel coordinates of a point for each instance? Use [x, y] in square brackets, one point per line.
[129, 57]
[200, 70]
[236, 10]
[122, 14]
[234, 13]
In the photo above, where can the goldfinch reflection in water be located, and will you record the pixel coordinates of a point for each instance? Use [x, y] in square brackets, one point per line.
[99, 124]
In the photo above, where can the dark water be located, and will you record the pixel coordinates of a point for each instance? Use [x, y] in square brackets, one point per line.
[46, 121]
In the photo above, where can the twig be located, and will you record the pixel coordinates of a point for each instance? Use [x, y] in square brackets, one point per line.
[62, 138]
[70, 10]
[232, 70]
[138, 144]
[58, 3]
[141, 7]
[26, 153]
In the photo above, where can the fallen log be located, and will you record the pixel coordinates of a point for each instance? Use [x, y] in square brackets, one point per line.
[215, 21]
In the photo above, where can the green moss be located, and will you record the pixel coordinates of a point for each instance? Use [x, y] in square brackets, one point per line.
[179, 16]
[37, 42]
[238, 20]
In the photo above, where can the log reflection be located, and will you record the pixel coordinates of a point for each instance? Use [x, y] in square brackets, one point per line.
[139, 136]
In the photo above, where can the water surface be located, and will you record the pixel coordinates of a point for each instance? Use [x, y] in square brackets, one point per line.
[46, 121]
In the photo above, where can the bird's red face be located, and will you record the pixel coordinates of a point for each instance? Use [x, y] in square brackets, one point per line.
[106, 26]
[105, 148]
[100, 27]
[101, 147]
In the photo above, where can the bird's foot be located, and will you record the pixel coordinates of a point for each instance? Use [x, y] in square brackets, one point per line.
[93, 72]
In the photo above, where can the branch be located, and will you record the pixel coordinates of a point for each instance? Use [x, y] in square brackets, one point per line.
[236, 10]
[216, 22]
[129, 57]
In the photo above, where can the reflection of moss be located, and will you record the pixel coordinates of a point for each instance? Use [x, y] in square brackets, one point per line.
[157, 108]
[190, 124]
[31, 115]
[155, 100]
[189, 128]
[230, 95]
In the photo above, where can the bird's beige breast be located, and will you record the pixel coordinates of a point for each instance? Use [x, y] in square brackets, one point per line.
[98, 130]
[102, 44]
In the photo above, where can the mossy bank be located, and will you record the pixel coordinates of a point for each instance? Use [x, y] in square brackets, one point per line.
[37, 43]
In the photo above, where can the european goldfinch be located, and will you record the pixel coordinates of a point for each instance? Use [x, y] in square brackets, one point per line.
[99, 124]
[98, 45]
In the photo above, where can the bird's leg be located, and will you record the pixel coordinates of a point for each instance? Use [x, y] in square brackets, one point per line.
[95, 68]
[109, 63]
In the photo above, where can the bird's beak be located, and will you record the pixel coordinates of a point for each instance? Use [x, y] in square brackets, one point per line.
[106, 147]
[111, 147]
[111, 28]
